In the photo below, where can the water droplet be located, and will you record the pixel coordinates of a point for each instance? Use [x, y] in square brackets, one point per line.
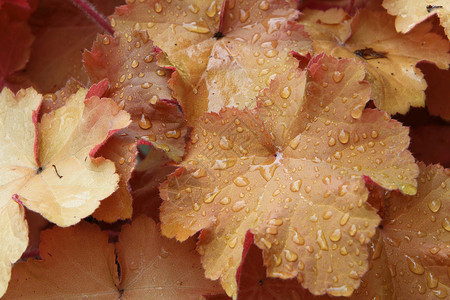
[241, 181]
[225, 200]
[343, 251]
[337, 155]
[344, 219]
[408, 189]
[134, 64]
[199, 173]
[223, 164]
[441, 292]
[414, 266]
[194, 27]
[432, 281]
[264, 5]
[237, 206]
[276, 260]
[146, 85]
[378, 161]
[446, 224]
[196, 207]
[296, 185]
[243, 15]
[232, 242]
[173, 134]
[212, 9]
[374, 134]
[271, 53]
[331, 142]
[286, 92]
[297, 238]
[144, 122]
[321, 240]
[290, 256]
[272, 230]
[344, 136]
[295, 142]
[194, 8]
[148, 58]
[105, 40]
[335, 236]
[276, 222]
[327, 215]
[357, 111]
[338, 76]
[352, 230]
[225, 143]
[266, 243]
[434, 205]
[342, 190]
[158, 7]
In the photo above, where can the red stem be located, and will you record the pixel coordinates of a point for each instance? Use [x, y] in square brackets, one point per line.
[91, 12]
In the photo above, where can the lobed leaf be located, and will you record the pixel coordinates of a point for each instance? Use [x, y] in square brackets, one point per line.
[140, 266]
[390, 57]
[409, 13]
[299, 191]
[231, 57]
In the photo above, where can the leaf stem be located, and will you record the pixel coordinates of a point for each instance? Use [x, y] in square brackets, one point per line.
[89, 9]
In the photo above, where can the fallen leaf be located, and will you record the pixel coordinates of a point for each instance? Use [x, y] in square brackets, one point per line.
[231, 57]
[409, 13]
[390, 57]
[291, 172]
[140, 266]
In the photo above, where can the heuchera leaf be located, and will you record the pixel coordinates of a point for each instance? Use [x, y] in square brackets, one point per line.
[409, 13]
[16, 39]
[291, 172]
[410, 255]
[62, 32]
[219, 61]
[139, 86]
[79, 262]
[390, 57]
[47, 165]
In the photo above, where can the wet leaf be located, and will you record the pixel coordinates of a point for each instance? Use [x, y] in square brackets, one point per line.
[390, 57]
[409, 13]
[141, 265]
[410, 254]
[139, 86]
[47, 166]
[300, 190]
[231, 57]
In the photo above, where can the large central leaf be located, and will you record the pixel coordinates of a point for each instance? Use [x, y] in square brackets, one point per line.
[291, 172]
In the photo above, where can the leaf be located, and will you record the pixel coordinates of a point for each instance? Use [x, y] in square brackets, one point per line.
[14, 237]
[299, 190]
[47, 165]
[140, 266]
[137, 85]
[147, 177]
[390, 57]
[410, 255]
[76, 262]
[409, 13]
[62, 32]
[437, 101]
[16, 39]
[230, 58]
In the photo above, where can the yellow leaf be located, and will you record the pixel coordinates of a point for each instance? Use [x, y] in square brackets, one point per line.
[390, 57]
[411, 12]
